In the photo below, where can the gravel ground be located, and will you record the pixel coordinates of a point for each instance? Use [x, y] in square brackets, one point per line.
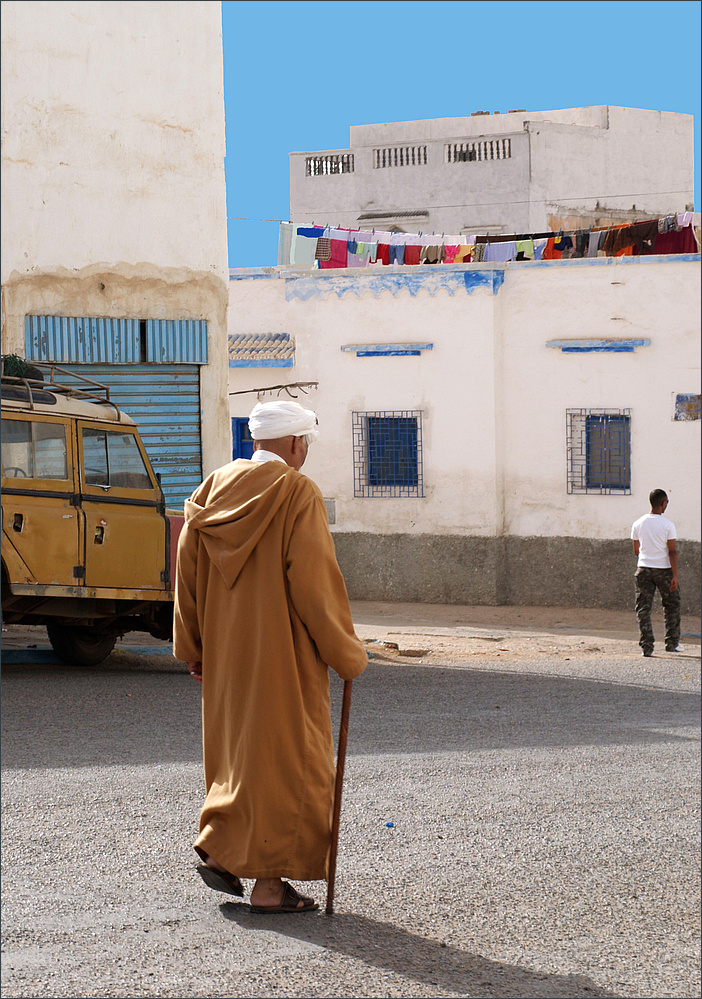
[520, 818]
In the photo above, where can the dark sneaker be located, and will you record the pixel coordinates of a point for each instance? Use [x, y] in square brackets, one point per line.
[675, 648]
[647, 652]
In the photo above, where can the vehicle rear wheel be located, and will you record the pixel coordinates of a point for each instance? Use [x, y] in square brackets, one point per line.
[79, 646]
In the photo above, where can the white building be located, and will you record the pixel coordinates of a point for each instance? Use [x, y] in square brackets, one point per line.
[114, 253]
[531, 407]
[520, 172]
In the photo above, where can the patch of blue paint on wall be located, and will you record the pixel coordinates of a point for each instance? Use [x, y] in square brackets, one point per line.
[432, 280]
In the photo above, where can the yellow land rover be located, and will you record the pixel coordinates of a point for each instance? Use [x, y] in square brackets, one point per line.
[88, 547]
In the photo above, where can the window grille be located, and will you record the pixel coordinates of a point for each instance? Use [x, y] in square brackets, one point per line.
[468, 152]
[325, 166]
[599, 451]
[387, 454]
[393, 156]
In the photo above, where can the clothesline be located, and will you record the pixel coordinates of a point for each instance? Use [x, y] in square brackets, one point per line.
[337, 247]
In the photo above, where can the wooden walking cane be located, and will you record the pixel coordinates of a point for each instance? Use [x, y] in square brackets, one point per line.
[341, 758]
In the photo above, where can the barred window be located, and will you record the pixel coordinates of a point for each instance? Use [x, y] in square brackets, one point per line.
[599, 451]
[325, 166]
[468, 152]
[393, 156]
[387, 454]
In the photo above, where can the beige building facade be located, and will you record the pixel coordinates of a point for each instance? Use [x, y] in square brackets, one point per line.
[114, 252]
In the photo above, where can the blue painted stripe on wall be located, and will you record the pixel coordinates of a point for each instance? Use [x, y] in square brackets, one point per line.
[380, 347]
[389, 353]
[605, 345]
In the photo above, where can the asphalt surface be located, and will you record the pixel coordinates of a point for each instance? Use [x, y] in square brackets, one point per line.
[514, 823]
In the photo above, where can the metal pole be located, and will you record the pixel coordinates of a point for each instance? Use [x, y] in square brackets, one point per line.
[341, 758]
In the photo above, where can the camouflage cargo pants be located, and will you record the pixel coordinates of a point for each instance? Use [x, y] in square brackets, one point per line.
[647, 582]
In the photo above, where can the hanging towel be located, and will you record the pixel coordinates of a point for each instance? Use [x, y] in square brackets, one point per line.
[594, 242]
[339, 255]
[286, 231]
[463, 254]
[323, 251]
[302, 251]
[412, 254]
[676, 242]
[501, 252]
[450, 251]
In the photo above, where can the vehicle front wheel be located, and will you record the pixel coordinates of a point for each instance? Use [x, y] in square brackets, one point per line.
[79, 646]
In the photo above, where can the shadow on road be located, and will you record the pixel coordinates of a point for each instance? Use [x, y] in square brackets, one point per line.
[71, 717]
[392, 948]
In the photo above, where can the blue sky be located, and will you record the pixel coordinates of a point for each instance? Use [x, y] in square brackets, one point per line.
[298, 74]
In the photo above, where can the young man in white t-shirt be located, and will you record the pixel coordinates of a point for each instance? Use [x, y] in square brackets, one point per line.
[657, 569]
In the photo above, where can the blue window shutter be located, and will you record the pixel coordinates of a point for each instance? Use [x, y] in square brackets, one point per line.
[176, 341]
[74, 340]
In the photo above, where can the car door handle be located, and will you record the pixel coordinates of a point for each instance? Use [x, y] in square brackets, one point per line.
[18, 522]
[99, 535]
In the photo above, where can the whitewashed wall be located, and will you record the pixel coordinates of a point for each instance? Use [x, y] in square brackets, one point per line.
[113, 171]
[493, 395]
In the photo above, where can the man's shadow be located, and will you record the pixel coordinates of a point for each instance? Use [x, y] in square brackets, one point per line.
[428, 961]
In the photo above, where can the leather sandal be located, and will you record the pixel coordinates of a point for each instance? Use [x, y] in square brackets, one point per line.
[221, 880]
[289, 903]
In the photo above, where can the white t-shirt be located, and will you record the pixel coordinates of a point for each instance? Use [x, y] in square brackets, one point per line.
[653, 532]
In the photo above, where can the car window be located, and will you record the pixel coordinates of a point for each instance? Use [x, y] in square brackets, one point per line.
[34, 450]
[112, 458]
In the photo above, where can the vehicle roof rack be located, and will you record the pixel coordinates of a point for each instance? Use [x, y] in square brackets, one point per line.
[87, 389]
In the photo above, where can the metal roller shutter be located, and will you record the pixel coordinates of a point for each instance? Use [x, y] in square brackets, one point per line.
[164, 401]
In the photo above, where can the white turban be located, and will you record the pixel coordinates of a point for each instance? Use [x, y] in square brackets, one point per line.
[271, 420]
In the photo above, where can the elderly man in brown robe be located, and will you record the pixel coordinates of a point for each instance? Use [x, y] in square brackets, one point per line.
[261, 612]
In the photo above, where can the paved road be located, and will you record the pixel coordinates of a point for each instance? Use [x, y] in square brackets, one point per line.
[509, 829]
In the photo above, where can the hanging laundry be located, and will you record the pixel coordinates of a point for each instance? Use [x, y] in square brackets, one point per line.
[500, 252]
[302, 250]
[432, 254]
[450, 251]
[323, 251]
[594, 242]
[550, 252]
[383, 253]
[396, 254]
[357, 254]
[285, 235]
[525, 249]
[338, 257]
[617, 240]
[539, 245]
[676, 242]
[644, 235]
